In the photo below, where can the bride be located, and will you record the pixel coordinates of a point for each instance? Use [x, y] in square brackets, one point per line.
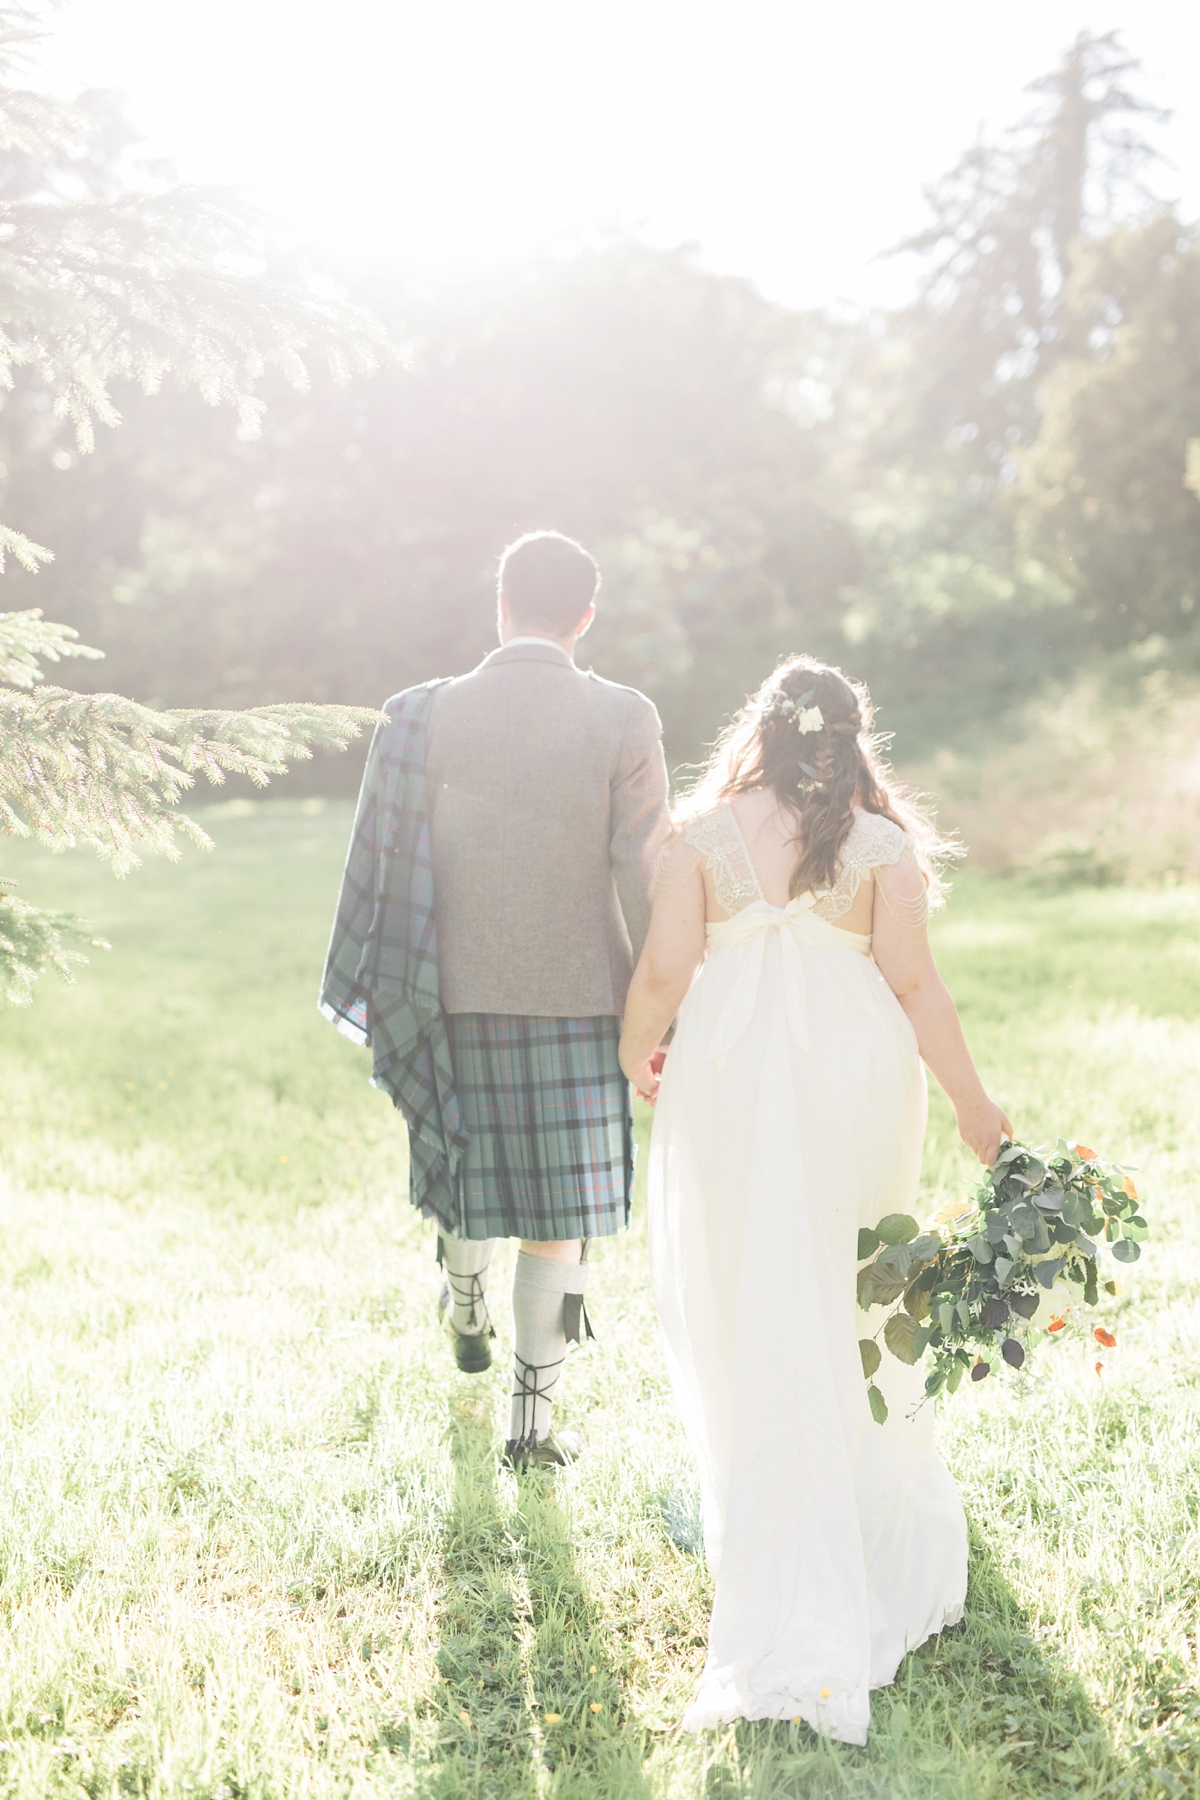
[791, 1112]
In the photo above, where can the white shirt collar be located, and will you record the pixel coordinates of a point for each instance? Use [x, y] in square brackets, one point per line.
[553, 643]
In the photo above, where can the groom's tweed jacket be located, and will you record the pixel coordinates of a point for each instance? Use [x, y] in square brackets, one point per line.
[548, 810]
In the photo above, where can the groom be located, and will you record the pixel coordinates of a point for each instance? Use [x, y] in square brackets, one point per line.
[496, 896]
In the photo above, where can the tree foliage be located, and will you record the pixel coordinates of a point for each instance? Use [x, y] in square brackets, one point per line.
[102, 284]
[959, 501]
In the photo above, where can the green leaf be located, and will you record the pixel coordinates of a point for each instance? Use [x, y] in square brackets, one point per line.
[921, 1339]
[954, 1377]
[877, 1287]
[871, 1355]
[897, 1228]
[879, 1411]
[924, 1248]
[1126, 1250]
[1076, 1210]
[980, 1249]
[916, 1299]
[895, 1259]
[898, 1335]
[1137, 1229]
[1049, 1272]
[934, 1380]
[868, 1244]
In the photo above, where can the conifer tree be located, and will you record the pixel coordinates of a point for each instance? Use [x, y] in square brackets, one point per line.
[98, 285]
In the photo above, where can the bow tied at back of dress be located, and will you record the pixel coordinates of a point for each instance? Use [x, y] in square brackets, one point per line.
[793, 927]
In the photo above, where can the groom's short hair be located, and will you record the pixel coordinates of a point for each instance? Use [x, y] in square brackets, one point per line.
[548, 580]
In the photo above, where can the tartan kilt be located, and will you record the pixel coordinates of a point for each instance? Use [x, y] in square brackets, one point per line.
[549, 1128]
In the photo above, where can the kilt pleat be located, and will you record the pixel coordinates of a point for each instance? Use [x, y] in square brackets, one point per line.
[549, 1130]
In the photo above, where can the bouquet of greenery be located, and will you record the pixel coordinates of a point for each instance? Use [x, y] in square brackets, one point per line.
[998, 1265]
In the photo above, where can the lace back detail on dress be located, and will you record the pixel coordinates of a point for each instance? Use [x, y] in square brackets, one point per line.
[874, 843]
[717, 837]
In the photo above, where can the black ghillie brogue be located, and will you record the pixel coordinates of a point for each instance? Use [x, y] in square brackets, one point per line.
[472, 1349]
[557, 1450]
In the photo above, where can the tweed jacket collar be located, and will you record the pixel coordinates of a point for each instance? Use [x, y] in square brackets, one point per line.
[540, 652]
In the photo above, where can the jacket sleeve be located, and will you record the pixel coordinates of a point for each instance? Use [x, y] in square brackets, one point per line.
[342, 1000]
[640, 821]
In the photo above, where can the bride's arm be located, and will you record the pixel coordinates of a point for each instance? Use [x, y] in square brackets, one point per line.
[900, 945]
[673, 952]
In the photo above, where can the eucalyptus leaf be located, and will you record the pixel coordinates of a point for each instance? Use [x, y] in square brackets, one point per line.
[871, 1356]
[1049, 1272]
[1024, 1304]
[879, 1411]
[897, 1228]
[979, 1247]
[1126, 1250]
[1050, 1199]
[1075, 1209]
[1004, 1268]
[924, 1248]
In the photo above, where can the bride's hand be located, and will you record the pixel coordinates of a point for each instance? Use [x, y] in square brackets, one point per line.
[646, 1076]
[983, 1127]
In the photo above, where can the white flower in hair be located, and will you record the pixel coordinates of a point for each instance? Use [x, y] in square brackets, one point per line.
[811, 719]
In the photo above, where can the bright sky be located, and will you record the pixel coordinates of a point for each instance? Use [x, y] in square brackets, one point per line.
[788, 139]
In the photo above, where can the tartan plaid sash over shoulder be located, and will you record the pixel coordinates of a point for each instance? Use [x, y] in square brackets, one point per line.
[381, 974]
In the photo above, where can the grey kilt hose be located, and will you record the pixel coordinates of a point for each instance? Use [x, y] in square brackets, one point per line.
[545, 1109]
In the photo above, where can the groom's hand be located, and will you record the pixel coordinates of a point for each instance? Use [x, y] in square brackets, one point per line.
[647, 1075]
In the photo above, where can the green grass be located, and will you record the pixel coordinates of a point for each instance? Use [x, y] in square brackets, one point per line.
[254, 1538]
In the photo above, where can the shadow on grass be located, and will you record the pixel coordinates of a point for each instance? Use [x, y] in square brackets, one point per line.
[530, 1701]
[983, 1712]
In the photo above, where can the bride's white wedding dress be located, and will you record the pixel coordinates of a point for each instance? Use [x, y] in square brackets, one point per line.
[792, 1112]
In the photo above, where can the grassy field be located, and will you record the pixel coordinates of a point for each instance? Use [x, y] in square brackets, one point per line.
[255, 1538]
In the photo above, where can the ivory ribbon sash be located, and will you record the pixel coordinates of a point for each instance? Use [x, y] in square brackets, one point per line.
[795, 925]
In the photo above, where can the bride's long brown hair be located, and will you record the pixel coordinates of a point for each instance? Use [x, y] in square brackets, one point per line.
[762, 747]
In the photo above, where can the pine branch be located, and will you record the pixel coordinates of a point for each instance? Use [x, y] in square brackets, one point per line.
[102, 771]
[33, 941]
[25, 636]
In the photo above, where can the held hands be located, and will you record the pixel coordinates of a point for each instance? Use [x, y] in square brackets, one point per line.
[983, 1127]
[646, 1076]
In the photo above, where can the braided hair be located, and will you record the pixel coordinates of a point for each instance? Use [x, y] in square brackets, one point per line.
[818, 770]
